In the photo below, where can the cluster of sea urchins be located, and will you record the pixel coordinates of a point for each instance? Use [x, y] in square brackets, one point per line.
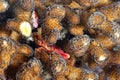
[59, 40]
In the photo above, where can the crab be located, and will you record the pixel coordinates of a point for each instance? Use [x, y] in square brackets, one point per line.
[42, 44]
[50, 48]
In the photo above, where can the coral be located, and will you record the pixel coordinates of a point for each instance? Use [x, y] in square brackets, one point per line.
[59, 39]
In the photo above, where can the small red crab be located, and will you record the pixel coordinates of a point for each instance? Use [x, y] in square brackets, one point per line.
[51, 48]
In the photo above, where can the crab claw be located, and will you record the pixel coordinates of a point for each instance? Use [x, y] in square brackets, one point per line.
[61, 52]
[34, 19]
[65, 55]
